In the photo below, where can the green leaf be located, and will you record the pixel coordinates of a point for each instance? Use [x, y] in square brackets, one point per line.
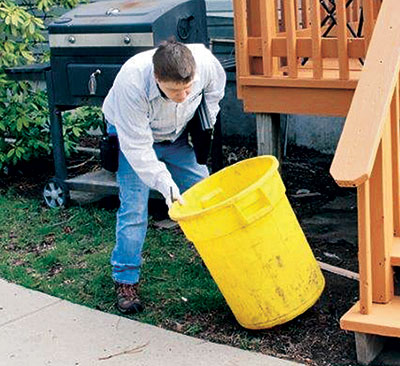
[15, 19]
[76, 131]
[31, 28]
[19, 124]
[25, 121]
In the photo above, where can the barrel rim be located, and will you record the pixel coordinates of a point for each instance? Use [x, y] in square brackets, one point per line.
[231, 200]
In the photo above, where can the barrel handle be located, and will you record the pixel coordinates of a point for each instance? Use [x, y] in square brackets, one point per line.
[247, 219]
[209, 199]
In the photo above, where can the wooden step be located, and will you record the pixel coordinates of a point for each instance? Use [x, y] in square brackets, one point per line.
[384, 319]
[395, 255]
[100, 181]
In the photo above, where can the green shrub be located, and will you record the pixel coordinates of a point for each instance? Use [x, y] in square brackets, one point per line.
[24, 118]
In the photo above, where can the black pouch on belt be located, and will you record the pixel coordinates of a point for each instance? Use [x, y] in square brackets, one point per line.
[109, 150]
[201, 132]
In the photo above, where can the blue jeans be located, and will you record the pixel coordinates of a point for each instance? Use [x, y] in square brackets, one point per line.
[131, 227]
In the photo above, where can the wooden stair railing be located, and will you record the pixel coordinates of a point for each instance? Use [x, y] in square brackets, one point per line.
[368, 157]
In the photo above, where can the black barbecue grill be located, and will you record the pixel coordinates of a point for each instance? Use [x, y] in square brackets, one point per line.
[88, 45]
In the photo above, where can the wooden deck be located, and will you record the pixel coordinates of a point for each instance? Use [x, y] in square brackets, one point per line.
[301, 59]
[303, 94]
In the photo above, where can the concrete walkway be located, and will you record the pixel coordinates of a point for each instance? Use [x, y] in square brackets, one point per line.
[37, 329]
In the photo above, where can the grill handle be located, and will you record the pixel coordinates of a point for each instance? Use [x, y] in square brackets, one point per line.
[92, 83]
[28, 72]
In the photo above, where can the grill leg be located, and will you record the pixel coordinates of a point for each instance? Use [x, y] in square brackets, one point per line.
[58, 143]
[56, 131]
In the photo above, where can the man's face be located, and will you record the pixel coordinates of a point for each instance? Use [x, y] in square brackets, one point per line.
[177, 92]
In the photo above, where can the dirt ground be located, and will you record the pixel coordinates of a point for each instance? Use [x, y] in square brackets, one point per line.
[328, 216]
[329, 220]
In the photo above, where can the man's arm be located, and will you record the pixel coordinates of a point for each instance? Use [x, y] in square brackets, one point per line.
[135, 137]
[215, 88]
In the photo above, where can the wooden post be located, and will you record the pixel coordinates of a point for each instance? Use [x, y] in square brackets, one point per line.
[368, 21]
[268, 134]
[381, 203]
[394, 121]
[364, 245]
[290, 25]
[253, 18]
[241, 36]
[316, 39]
[305, 13]
[268, 16]
[342, 40]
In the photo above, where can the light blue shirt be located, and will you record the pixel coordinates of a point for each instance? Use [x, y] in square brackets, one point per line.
[142, 116]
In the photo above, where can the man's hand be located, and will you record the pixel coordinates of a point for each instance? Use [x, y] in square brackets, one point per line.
[174, 195]
[169, 190]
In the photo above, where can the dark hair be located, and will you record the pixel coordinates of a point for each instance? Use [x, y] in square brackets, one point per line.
[173, 61]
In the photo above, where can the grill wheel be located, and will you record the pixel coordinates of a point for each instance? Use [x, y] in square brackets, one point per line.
[56, 193]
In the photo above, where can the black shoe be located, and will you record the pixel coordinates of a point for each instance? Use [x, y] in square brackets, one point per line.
[128, 301]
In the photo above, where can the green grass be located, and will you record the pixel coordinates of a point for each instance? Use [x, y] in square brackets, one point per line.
[65, 253]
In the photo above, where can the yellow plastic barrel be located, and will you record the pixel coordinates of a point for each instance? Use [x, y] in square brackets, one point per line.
[247, 234]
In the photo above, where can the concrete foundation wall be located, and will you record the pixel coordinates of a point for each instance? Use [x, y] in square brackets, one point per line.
[233, 119]
[319, 133]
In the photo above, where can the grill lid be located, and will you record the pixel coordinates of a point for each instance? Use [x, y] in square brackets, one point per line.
[118, 16]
